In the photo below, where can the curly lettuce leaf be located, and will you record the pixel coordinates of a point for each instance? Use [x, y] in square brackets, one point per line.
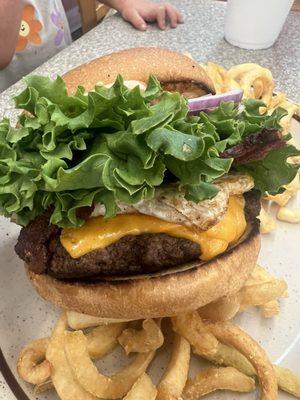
[232, 123]
[271, 173]
[117, 144]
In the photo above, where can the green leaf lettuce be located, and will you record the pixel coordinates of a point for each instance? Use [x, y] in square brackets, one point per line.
[117, 144]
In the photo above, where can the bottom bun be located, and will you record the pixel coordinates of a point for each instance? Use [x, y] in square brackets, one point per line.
[158, 296]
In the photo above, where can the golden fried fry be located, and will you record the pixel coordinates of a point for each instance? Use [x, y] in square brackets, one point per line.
[281, 199]
[233, 336]
[175, 376]
[211, 379]
[43, 387]
[262, 293]
[223, 309]
[238, 71]
[295, 160]
[148, 338]
[265, 77]
[270, 309]
[259, 275]
[218, 74]
[81, 321]
[267, 223]
[192, 328]
[229, 356]
[66, 386]
[103, 339]
[91, 380]
[256, 81]
[288, 380]
[276, 101]
[258, 88]
[143, 389]
[32, 365]
[261, 289]
[289, 215]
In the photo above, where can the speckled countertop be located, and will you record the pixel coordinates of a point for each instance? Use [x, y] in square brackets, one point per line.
[201, 35]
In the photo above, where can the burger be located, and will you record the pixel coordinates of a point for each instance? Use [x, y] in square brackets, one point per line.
[137, 188]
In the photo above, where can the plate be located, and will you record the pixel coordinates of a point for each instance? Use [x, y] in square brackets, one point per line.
[24, 316]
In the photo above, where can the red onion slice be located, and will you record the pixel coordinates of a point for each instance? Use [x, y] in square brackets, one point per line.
[209, 102]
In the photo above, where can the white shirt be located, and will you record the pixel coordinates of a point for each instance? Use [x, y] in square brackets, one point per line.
[44, 32]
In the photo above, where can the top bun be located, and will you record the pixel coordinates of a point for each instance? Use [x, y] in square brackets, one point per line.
[175, 71]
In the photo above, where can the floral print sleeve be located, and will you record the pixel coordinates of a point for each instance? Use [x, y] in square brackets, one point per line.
[57, 19]
[29, 30]
[44, 31]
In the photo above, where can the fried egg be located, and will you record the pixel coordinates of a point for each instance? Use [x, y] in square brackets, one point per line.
[169, 203]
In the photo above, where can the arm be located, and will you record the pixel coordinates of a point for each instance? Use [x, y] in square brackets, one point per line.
[10, 17]
[139, 12]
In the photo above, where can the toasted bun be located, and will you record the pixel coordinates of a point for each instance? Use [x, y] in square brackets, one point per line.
[158, 296]
[174, 70]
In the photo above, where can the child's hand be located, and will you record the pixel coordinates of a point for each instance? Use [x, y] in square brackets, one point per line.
[139, 12]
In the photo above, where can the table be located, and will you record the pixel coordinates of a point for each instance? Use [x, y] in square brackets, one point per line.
[201, 35]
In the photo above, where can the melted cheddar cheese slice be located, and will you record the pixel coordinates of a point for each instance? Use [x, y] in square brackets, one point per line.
[99, 232]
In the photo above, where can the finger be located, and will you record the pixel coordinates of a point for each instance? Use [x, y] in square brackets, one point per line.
[172, 15]
[180, 19]
[132, 16]
[161, 17]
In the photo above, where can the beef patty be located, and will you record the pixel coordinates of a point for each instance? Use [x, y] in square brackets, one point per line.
[39, 246]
